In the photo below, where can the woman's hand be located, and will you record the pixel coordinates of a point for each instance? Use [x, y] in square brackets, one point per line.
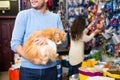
[97, 31]
[89, 27]
[40, 41]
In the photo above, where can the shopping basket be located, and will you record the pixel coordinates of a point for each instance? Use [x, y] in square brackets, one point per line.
[84, 75]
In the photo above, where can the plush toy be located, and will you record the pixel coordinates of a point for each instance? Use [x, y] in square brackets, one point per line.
[42, 54]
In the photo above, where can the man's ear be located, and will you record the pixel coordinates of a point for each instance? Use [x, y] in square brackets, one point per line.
[46, 1]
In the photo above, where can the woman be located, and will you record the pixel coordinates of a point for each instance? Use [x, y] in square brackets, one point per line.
[78, 36]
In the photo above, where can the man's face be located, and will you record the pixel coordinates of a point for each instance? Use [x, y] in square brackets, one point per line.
[38, 4]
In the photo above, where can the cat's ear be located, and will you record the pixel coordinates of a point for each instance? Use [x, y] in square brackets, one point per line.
[53, 33]
[63, 36]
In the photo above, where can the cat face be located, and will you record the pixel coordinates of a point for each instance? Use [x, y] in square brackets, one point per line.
[58, 36]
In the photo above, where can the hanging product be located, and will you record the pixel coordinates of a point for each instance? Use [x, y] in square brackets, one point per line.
[115, 39]
[104, 0]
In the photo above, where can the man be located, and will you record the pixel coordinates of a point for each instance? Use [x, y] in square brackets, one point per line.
[28, 21]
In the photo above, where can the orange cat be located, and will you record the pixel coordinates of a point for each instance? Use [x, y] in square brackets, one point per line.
[42, 54]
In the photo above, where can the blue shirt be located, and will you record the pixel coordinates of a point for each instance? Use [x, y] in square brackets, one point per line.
[28, 21]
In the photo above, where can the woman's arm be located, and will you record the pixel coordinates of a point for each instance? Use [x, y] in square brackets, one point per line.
[87, 37]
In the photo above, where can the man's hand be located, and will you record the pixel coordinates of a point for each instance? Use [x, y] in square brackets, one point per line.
[40, 41]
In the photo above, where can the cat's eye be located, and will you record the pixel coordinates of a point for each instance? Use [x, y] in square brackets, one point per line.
[57, 35]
